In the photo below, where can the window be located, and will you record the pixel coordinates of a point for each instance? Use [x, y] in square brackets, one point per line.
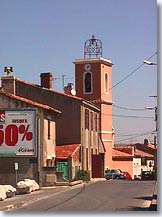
[91, 120]
[143, 161]
[80, 154]
[49, 129]
[96, 123]
[87, 119]
[106, 83]
[87, 82]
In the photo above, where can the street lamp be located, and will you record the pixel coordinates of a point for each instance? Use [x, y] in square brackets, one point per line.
[149, 62]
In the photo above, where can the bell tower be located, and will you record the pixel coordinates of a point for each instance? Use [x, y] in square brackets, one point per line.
[93, 82]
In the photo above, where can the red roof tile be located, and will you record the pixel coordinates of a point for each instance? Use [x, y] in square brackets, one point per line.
[59, 93]
[65, 151]
[143, 154]
[151, 146]
[127, 151]
[30, 102]
[121, 154]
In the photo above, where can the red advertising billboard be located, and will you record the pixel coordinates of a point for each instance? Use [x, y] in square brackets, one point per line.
[17, 133]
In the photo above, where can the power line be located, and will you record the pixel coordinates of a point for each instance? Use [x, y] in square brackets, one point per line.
[132, 72]
[133, 137]
[131, 109]
[128, 116]
[126, 135]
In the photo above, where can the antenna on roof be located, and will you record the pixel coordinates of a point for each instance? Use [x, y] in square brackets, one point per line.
[8, 70]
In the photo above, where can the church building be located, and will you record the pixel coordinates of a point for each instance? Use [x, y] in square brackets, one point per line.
[93, 82]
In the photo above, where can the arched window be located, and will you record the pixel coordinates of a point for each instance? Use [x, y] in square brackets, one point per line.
[87, 82]
[106, 83]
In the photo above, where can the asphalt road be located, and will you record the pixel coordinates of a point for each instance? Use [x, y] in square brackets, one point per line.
[106, 195]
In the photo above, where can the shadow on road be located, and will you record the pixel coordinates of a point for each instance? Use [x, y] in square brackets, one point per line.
[153, 207]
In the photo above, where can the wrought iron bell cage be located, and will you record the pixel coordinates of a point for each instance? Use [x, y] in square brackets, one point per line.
[92, 48]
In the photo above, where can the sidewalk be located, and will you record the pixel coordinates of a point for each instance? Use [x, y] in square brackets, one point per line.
[153, 206]
[20, 199]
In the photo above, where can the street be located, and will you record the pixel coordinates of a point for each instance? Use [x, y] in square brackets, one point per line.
[112, 195]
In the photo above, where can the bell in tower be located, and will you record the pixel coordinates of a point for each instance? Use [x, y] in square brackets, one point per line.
[92, 48]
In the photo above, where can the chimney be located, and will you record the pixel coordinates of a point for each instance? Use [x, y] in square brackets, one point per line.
[69, 89]
[146, 142]
[46, 80]
[8, 84]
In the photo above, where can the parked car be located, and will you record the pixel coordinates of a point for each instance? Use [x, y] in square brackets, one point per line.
[126, 176]
[112, 173]
[147, 175]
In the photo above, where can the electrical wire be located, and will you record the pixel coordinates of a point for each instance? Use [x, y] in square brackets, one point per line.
[126, 135]
[133, 137]
[132, 72]
[131, 109]
[128, 116]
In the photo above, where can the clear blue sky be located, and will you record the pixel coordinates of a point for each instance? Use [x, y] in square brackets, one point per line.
[48, 35]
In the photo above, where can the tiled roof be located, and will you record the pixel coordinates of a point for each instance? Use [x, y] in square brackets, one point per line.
[121, 154]
[65, 151]
[30, 102]
[142, 154]
[127, 151]
[59, 93]
[151, 146]
[39, 86]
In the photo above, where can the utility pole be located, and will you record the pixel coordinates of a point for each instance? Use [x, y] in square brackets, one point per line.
[63, 81]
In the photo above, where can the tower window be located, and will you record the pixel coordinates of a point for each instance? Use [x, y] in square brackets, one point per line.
[88, 82]
[106, 83]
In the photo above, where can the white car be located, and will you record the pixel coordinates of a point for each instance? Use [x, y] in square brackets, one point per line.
[112, 173]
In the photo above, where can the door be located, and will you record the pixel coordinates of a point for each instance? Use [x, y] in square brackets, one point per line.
[97, 166]
[63, 166]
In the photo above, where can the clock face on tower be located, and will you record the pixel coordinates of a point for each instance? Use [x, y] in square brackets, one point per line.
[87, 67]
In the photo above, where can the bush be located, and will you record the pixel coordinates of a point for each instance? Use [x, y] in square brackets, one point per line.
[82, 175]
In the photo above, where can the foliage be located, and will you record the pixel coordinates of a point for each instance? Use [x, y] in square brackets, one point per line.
[82, 175]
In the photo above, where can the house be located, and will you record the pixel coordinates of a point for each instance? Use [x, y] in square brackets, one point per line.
[68, 159]
[27, 140]
[135, 158]
[78, 123]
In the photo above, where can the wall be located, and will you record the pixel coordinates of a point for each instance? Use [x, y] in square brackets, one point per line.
[106, 133]
[96, 81]
[90, 136]
[125, 165]
[27, 168]
[67, 128]
[76, 163]
[136, 167]
[49, 141]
